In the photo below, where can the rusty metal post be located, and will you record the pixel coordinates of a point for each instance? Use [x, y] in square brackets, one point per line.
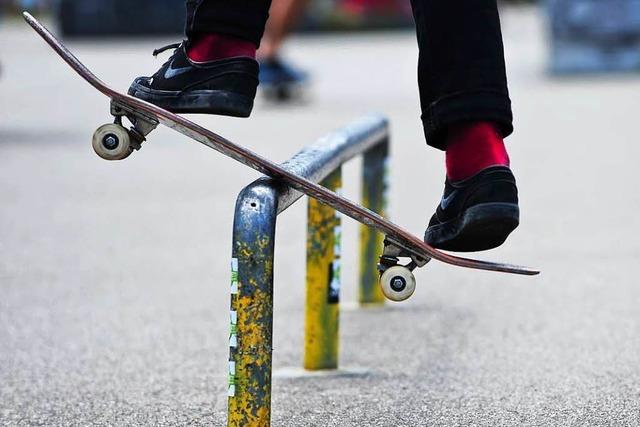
[374, 196]
[251, 315]
[324, 235]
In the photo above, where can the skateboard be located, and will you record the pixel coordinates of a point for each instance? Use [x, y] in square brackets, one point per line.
[113, 141]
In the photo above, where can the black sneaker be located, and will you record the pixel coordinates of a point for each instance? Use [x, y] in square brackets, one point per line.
[226, 87]
[476, 214]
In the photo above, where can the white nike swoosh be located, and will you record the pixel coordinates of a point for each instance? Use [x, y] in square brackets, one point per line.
[172, 72]
[446, 201]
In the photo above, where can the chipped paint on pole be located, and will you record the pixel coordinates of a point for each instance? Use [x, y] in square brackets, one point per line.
[251, 315]
[374, 196]
[324, 236]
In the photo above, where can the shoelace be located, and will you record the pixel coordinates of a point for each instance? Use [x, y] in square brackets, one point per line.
[158, 51]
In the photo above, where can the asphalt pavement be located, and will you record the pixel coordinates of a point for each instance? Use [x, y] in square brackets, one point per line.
[114, 276]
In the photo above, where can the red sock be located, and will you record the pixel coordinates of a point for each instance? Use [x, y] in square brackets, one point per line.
[210, 47]
[472, 147]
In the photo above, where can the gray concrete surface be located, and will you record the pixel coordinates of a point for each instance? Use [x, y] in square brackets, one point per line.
[114, 276]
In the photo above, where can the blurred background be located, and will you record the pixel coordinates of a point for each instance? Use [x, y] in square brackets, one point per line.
[114, 275]
[583, 35]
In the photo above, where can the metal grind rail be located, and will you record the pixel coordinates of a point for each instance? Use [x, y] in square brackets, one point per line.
[257, 208]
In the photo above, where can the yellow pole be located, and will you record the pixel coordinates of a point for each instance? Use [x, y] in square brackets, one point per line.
[374, 195]
[324, 235]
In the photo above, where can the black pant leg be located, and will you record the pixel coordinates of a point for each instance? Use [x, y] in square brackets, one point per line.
[461, 69]
[240, 18]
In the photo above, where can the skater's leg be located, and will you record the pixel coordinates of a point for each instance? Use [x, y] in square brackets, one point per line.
[283, 16]
[276, 73]
[461, 69]
[244, 19]
[214, 71]
[466, 111]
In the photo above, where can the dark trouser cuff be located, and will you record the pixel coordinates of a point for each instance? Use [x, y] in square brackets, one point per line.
[466, 107]
[242, 19]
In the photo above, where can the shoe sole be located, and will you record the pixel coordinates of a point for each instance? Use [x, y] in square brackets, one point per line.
[219, 102]
[479, 228]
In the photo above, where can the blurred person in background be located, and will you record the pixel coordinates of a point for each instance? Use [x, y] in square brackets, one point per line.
[277, 75]
[466, 109]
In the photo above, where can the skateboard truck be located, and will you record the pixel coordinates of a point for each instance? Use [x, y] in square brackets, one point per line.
[397, 281]
[113, 141]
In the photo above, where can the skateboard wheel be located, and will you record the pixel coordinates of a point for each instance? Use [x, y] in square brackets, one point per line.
[112, 142]
[398, 283]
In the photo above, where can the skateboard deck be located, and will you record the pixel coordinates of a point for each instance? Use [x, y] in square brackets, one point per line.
[146, 116]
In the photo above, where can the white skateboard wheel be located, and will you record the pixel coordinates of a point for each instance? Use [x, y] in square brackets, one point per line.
[398, 283]
[112, 142]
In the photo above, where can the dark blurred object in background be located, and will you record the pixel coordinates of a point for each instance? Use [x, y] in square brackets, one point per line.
[594, 35]
[142, 17]
[120, 17]
[33, 6]
[357, 15]
[151, 17]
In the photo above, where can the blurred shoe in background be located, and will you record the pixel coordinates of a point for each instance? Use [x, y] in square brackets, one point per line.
[280, 80]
